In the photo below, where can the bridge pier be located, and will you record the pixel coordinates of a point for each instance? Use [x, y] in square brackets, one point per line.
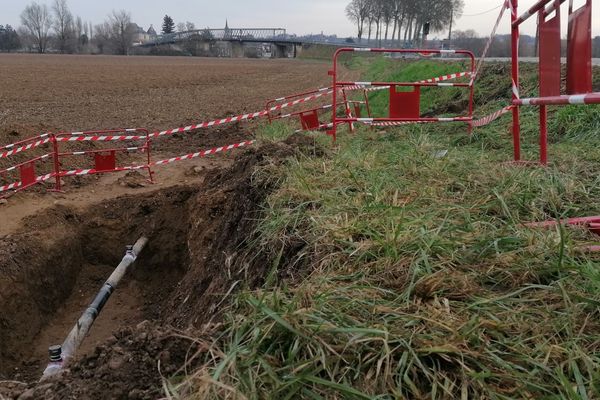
[237, 49]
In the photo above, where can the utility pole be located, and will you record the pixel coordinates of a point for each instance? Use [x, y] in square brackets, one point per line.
[451, 21]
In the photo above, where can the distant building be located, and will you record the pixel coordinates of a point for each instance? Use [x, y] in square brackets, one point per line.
[227, 32]
[140, 36]
[151, 32]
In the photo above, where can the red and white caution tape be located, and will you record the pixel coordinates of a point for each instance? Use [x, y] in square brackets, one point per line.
[240, 118]
[372, 122]
[17, 185]
[14, 150]
[505, 6]
[446, 77]
[364, 86]
[478, 123]
[398, 123]
[492, 117]
[81, 137]
[368, 86]
[204, 153]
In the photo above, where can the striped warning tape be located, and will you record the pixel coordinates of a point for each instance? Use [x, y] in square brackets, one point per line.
[17, 185]
[240, 118]
[477, 123]
[446, 77]
[492, 117]
[91, 171]
[203, 153]
[81, 137]
[368, 85]
[15, 150]
[398, 123]
[373, 122]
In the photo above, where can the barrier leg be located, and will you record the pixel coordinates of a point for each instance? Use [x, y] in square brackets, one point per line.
[367, 104]
[543, 135]
[348, 110]
[56, 159]
[516, 129]
[149, 159]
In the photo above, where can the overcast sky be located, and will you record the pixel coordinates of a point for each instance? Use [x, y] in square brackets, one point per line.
[297, 16]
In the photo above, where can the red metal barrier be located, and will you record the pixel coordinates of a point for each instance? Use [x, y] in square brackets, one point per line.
[30, 170]
[404, 106]
[579, 64]
[105, 160]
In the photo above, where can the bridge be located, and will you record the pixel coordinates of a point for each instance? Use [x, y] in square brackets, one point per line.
[256, 35]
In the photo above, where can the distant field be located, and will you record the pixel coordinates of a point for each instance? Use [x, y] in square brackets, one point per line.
[54, 92]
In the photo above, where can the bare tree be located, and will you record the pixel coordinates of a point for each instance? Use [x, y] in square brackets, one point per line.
[358, 11]
[37, 22]
[181, 27]
[190, 26]
[64, 26]
[119, 31]
[402, 16]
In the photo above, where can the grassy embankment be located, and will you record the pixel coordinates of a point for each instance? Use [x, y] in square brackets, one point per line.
[423, 282]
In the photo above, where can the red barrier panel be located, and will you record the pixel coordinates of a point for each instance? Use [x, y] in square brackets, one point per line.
[549, 47]
[105, 160]
[579, 64]
[579, 49]
[404, 106]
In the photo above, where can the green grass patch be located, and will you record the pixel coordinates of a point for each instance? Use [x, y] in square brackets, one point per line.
[423, 282]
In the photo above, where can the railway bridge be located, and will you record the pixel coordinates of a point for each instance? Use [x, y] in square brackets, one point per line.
[232, 42]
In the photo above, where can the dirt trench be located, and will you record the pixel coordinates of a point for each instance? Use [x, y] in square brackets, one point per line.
[200, 239]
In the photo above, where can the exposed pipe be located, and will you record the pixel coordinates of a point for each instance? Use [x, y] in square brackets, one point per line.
[61, 355]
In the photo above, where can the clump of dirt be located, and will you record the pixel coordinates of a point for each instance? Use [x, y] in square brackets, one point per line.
[133, 180]
[130, 365]
[199, 247]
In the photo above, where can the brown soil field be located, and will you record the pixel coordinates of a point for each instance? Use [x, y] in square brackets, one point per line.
[74, 93]
[56, 249]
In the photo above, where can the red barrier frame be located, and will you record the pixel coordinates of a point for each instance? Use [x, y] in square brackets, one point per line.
[398, 103]
[105, 159]
[27, 169]
[579, 65]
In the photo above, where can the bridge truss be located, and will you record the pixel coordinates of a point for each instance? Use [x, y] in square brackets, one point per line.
[230, 34]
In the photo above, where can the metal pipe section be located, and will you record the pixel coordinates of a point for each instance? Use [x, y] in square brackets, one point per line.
[61, 355]
[534, 9]
[578, 99]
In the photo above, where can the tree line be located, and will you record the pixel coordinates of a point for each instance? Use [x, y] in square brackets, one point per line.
[54, 28]
[401, 21]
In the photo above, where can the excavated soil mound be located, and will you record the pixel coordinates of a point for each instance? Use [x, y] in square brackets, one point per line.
[199, 246]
